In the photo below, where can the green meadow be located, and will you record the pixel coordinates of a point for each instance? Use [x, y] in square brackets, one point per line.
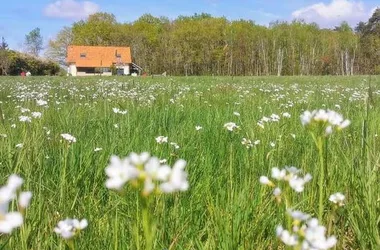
[225, 206]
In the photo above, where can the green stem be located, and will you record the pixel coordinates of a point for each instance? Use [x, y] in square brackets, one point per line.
[63, 176]
[70, 244]
[137, 225]
[116, 231]
[331, 220]
[321, 178]
[148, 225]
[231, 194]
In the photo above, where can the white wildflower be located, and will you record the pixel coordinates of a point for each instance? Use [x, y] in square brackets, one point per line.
[70, 227]
[337, 198]
[10, 220]
[36, 114]
[197, 128]
[247, 143]
[278, 174]
[161, 139]
[177, 179]
[41, 102]
[69, 138]
[231, 126]
[330, 119]
[24, 199]
[24, 118]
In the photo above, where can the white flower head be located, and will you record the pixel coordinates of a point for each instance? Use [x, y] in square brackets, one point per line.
[119, 172]
[24, 199]
[41, 102]
[69, 138]
[146, 171]
[265, 181]
[177, 179]
[24, 118]
[231, 126]
[197, 128]
[330, 119]
[10, 220]
[70, 227]
[337, 198]
[161, 139]
[36, 114]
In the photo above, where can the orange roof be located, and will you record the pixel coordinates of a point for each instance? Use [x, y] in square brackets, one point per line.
[98, 56]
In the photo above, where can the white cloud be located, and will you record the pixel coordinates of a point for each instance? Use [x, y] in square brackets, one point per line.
[71, 9]
[328, 15]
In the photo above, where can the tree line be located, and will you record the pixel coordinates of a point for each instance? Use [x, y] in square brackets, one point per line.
[206, 45]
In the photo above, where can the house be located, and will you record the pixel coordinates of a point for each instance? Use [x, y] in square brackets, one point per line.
[95, 60]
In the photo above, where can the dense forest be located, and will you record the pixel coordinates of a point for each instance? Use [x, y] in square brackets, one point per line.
[206, 45]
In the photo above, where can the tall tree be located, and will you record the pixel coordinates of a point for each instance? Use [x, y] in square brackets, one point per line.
[34, 42]
[4, 57]
[4, 44]
[57, 48]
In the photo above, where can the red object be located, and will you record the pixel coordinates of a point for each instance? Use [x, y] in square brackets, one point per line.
[23, 74]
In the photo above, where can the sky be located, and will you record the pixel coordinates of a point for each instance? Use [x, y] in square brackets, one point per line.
[17, 18]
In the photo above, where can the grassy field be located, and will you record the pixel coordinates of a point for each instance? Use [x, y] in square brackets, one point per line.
[225, 206]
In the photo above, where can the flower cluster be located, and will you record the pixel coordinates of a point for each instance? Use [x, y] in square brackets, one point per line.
[306, 233]
[248, 143]
[328, 119]
[290, 175]
[337, 198]
[12, 220]
[69, 138]
[264, 119]
[231, 126]
[118, 111]
[147, 171]
[70, 227]
[161, 139]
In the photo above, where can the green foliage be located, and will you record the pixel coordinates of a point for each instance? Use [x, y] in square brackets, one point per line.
[113, 69]
[19, 62]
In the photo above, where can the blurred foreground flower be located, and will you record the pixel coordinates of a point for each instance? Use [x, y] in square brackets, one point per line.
[328, 119]
[289, 175]
[146, 172]
[70, 227]
[306, 234]
[8, 193]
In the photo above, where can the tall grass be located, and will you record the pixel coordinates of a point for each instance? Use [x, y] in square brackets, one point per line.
[225, 207]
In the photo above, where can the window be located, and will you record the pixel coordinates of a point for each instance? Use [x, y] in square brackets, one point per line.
[82, 55]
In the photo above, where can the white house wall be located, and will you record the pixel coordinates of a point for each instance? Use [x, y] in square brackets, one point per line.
[127, 70]
[72, 70]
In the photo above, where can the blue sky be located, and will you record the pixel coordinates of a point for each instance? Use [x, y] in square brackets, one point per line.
[17, 18]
